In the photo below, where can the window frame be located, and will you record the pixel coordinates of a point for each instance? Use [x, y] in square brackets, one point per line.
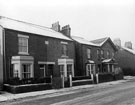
[98, 53]
[64, 49]
[108, 54]
[102, 53]
[28, 73]
[23, 38]
[88, 53]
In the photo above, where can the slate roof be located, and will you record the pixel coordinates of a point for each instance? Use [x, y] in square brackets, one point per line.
[100, 41]
[82, 40]
[129, 50]
[30, 28]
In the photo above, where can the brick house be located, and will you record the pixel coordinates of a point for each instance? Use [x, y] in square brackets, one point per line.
[126, 58]
[29, 50]
[105, 55]
[94, 56]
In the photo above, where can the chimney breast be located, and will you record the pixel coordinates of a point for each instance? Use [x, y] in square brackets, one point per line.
[56, 26]
[128, 45]
[66, 30]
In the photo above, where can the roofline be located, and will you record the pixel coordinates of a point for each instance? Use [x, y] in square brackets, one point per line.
[127, 50]
[38, 26]
[41, 35]
[24, 22]
[83, 43]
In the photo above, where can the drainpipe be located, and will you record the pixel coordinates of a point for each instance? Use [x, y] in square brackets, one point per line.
[4, 58]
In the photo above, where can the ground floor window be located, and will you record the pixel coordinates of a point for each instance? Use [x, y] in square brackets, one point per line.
[15, 70]
[106, 68]
[46, 70]
[69, 69]
[26, 71]
[66, 67]
[66, 70]
[61, 68]
[23, 66]
[90, 68]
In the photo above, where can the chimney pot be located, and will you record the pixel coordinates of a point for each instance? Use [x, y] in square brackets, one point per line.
[56, 26]
[128, 45]
[66, 30]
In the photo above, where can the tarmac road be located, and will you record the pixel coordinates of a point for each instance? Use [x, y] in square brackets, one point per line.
[118, 94]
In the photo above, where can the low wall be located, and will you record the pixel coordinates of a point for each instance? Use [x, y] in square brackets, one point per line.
[27, 88]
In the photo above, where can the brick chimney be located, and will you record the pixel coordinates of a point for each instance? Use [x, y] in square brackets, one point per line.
[128, 45]
[56, 26]
[117, 42]
[66, 30]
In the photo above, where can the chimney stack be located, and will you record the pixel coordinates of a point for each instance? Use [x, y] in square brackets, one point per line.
[117, 42]
[56, 26]
[66, 30]
[128, 45]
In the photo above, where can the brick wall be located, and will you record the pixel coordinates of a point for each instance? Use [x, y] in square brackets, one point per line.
[81, 56]
[36, 48]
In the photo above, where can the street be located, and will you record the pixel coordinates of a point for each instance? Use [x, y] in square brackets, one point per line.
[116, 94]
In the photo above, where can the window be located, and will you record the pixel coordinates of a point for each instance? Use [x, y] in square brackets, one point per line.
[64, 49]
[88, 70]
[69, 69]
[102, 53]
[112, 54]
[108, 54]
[26, 71]
[15, 70]
[23, 44]
[61, 67]
[98, 54]
[89, 53]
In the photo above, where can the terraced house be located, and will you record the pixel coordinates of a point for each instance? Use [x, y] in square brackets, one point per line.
[95, 56]
[32, 51]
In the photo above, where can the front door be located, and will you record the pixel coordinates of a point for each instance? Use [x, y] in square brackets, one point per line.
[42, 70]
[88, 69]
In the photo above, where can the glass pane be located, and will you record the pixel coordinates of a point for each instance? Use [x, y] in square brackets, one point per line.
[23, 44]
[26, 71]
[69, 69]
[61, 67]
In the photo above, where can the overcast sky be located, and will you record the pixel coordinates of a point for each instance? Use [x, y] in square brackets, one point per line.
[91, 19]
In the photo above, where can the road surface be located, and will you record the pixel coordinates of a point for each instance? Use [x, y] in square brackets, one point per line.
[118, 94]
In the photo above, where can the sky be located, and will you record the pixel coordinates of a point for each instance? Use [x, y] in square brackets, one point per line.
[90, 19]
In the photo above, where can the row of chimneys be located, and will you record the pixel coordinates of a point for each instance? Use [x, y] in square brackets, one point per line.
[128, 44]
[66, 30]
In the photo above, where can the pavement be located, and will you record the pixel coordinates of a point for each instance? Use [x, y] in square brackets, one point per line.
[6, 96]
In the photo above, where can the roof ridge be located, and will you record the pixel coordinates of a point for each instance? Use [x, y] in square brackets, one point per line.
[34, 25]
[25, 22]
[31, 28]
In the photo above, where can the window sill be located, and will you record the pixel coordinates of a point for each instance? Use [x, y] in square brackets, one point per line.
[23, 53]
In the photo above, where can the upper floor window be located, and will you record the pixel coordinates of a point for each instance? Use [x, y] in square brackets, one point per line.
[112, 54]
[23, 44]
[98, 54]
[108, 54]
[89, 53]
[102, 53]
[64, 48]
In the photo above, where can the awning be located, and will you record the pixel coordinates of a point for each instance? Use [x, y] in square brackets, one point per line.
[112, 60]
